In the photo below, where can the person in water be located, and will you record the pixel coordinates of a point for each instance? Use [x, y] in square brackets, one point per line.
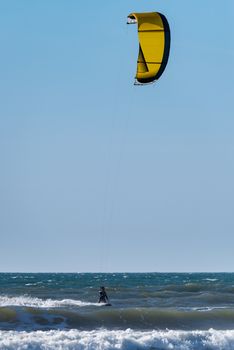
[103, 298]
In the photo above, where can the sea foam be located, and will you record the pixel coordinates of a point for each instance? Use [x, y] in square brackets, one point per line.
[28, 301]
[117, 340]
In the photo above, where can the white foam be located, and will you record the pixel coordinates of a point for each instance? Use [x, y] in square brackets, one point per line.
[28, 301]
[117, 340]
[210, 279]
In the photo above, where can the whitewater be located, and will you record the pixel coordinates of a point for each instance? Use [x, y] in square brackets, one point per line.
[121, 340]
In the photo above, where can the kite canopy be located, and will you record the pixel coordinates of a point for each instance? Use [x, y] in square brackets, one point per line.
[154, 40]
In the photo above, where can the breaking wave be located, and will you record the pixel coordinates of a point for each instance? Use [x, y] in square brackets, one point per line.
[117, 340]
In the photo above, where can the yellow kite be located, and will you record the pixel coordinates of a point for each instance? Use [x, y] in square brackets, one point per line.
[154, 45]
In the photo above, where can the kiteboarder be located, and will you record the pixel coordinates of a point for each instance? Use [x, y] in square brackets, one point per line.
[103, 298]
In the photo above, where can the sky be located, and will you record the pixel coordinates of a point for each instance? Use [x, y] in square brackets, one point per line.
[99, 175]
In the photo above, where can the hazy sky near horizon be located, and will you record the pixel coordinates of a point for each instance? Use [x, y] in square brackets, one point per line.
[98, 174]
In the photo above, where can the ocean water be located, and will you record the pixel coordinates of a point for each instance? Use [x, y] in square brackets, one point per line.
[150, 311]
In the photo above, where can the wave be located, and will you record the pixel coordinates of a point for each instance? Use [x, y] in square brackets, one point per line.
[29, 318]
[210, 279]
[117, 340]
[41, 303]
[188, 287]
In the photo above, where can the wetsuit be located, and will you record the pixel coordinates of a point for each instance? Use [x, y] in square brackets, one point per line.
[103, 298]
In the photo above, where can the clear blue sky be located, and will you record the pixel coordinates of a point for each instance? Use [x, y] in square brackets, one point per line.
[98, 174]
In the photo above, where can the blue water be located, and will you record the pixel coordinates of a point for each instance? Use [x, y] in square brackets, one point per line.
[149, 311]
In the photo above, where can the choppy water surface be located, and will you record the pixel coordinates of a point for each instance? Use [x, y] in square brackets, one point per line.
[149, 311]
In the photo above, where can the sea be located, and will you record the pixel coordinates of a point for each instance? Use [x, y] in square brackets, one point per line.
[150, 311]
